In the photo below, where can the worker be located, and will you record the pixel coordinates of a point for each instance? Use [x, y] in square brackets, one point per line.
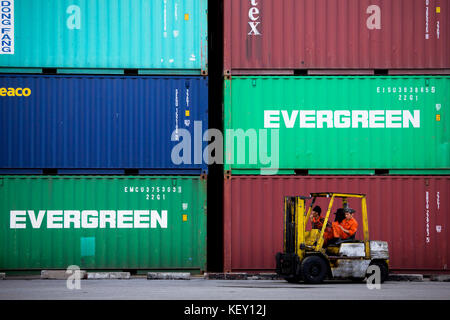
[347, 227]
[317, 223]
[340, 215]
[317, 220]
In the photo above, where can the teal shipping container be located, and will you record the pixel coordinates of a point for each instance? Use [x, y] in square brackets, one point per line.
[104, 36]
[103, 222]
[337, 125]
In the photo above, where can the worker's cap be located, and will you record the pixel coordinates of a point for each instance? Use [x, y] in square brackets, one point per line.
[350, 210]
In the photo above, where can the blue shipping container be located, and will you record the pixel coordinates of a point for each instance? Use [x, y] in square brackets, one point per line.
[101, 122]
[104, 36]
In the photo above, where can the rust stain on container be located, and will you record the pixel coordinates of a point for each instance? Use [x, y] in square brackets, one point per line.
[275, 36]
[410, 212]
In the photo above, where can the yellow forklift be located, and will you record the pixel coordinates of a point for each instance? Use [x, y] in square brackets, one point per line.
[305, 258]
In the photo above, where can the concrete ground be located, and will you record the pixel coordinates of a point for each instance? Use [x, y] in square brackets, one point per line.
[202, 289]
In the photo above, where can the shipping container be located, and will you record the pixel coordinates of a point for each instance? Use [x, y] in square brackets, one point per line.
[102, 122]
[284, 36]
[95, 35]
[410, 212]
[103, 222]
[337, 124]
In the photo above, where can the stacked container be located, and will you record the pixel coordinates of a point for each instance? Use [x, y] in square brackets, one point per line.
[96, 98]
[337, 96]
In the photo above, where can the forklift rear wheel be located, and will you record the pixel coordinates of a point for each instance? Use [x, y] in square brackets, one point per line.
[314, 269]
[383, 269]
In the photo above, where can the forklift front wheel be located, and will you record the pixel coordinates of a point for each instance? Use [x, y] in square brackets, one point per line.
[313, 269]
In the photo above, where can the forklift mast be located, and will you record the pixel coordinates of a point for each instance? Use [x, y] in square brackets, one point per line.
[294, 225]
[290, 228]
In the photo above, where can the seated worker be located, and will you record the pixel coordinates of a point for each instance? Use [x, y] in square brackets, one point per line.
[345, 228]
[317, 223]
[316, 219]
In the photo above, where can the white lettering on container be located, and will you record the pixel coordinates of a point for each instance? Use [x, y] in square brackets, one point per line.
[427, 218]
[74, 20]
[374, 20]
[253, 15]
[89, 219]
[342, 118]
[7, 27]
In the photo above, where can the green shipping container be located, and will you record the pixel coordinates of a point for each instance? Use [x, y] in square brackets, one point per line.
[103, 222]
[104, 36]
[337, 125]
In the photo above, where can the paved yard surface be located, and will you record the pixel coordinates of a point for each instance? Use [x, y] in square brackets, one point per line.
[201, 289]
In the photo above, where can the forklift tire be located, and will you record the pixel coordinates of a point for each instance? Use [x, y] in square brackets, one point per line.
[383, 269]
[313, 269]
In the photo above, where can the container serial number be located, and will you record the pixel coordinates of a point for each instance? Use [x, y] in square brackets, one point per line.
[153, 189]
[154, 192]
[406, 89]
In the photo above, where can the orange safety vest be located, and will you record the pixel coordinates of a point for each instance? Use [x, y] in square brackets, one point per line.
[317, 223]
[350, 225]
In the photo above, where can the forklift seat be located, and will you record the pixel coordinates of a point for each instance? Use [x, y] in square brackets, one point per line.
[349, 239]
[337, 241]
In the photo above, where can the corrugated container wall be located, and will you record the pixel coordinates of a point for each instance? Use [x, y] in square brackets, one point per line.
[166, 36]
[100, 122]
[410, 212]
[279, 36]
[364, 123]
[102, 222]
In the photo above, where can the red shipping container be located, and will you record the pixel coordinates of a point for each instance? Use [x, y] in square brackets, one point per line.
[279, 36]
[412, 213]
